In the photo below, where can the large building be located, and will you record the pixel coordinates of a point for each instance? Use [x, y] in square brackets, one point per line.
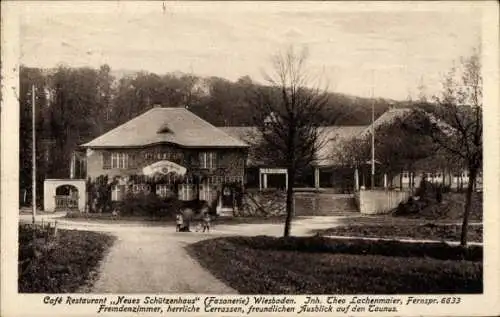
[328, 172]
[168, 142]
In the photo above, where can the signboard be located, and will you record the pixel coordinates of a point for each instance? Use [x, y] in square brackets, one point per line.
[273, 170]
[164, 167]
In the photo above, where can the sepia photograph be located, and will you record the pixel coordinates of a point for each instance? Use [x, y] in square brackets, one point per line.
[249, 148]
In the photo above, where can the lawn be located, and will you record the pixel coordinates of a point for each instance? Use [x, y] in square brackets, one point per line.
[427, 231]
[61, 264]
[318, 265]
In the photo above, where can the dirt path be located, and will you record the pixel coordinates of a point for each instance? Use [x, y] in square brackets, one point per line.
[154, 259]
[154, 262]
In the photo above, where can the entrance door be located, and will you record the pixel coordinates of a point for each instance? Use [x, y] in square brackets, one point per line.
[227, 197]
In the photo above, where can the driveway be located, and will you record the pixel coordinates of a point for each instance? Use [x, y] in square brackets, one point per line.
[154, 259]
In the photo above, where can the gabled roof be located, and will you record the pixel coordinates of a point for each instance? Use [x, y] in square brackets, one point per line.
[388, 117]
[166, 125]
[401, 113]
[331, 137]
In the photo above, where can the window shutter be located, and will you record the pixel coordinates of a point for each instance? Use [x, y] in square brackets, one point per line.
[219, 160]
[128, 163]
[131, 160]
[194, 159]
[201, 160]
[106, 160]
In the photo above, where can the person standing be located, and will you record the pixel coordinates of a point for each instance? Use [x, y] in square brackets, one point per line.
[206, 222]
[179, 222]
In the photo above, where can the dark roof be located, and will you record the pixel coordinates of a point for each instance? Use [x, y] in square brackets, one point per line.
[166, 125]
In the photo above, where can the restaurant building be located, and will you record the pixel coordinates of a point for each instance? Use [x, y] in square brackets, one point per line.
[327, 172]
[169, 143]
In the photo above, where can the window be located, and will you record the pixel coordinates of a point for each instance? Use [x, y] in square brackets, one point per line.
[208, 159]
[205, 192]
[162, 190]
[116, 193]
[186, 192]
[118, 160]
[141, 188]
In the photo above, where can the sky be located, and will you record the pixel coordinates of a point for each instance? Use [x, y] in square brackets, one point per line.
[387, 50]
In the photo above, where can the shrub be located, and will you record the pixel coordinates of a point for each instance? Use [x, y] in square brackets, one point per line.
[148, 205]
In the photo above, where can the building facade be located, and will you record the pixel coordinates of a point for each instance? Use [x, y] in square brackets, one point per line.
[329, 172]
[168, 144]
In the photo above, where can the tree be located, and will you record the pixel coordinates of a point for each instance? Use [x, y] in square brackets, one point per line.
[397, 149]
[456, 123]
[287, 114]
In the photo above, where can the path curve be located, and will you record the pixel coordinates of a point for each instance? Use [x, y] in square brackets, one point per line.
[153, 259]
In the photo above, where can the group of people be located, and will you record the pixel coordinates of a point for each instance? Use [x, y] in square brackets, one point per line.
[182, 224]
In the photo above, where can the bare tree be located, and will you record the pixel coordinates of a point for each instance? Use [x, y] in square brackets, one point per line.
[287, 114]
[460, 108]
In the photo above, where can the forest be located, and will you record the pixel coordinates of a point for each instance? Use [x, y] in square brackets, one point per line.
[75, 105]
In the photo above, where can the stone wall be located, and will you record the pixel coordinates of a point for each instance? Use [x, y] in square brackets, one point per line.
[267, 203]
[373, 202]
[272, 203]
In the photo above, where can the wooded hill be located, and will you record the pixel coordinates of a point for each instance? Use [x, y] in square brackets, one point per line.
[75, 105]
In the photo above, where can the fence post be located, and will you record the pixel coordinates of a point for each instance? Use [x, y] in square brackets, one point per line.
[46, 232]
[55, 228]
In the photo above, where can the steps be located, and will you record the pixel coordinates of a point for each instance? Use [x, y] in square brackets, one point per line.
[322, 204]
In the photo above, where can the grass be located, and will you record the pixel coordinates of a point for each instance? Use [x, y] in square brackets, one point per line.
[427, 231]
[317, 265]
[62, 264]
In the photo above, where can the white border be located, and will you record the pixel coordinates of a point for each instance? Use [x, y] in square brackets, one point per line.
[13, 304]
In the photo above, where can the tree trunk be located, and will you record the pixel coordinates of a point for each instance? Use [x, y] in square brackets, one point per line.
[289, 202]
[467, 209]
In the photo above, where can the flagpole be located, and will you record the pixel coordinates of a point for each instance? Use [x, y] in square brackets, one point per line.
[373, 137]
[33, 160]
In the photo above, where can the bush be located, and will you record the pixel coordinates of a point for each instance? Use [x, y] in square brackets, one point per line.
[148, 205]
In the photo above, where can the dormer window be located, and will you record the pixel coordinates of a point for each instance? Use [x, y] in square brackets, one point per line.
[164, 129]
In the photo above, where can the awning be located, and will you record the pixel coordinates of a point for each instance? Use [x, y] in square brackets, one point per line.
[164, 167]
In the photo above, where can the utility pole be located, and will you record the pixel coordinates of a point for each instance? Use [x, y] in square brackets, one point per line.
[33, 146]
[373, 137]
